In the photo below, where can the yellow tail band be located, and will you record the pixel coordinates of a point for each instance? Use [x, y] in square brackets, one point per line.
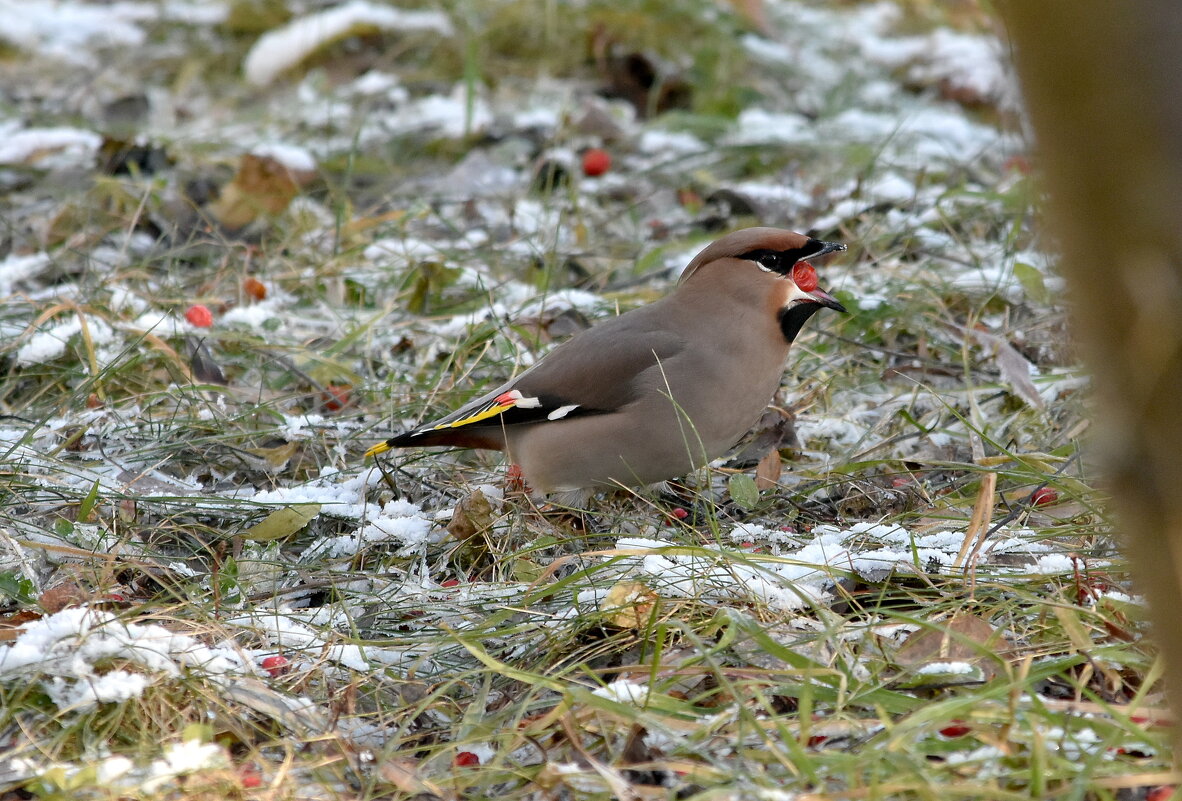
[381, 447]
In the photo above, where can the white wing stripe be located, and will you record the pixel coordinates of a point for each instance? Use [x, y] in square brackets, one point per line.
[562, 411]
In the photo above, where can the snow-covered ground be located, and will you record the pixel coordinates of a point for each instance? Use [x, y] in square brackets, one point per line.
[406, 258]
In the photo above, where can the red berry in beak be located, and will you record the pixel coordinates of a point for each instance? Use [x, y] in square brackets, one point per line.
[804, 276]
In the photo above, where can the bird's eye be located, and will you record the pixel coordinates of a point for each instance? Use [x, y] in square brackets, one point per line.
[773, 261]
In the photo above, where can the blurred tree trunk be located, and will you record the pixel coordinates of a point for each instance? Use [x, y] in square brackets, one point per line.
[1103, 84]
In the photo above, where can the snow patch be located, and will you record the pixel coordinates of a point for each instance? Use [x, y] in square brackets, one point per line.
[64, 650]
[70, 31]
[279, 50]
[50, 343]
[15, 269]
[49, 148]
[293, 157]
[624, 691]
[805, 568]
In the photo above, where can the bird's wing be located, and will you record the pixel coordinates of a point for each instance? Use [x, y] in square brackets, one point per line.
[595, 372]
[600, 369]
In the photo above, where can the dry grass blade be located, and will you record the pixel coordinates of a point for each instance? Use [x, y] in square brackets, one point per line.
[974, 536]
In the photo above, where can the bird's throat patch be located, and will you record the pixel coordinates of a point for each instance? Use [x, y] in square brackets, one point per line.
[793, 318]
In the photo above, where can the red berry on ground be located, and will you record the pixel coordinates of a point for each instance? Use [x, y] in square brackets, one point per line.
[249, 777]
[466, 759]
[955, 729]
[1044, 496]
[335, 397]
[1160, 793]
[199, 315]
[679, 513]
[276, 665]
[254, 288]
[596, 161]
[451, 583]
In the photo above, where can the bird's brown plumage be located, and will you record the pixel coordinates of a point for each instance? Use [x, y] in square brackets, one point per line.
[657, 391]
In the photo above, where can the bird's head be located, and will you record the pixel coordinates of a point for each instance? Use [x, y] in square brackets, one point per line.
[763, 253]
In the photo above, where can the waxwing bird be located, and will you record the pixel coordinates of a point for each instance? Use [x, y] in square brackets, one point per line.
[660, 390]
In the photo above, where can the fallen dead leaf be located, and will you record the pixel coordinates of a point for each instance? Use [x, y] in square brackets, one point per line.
[767, 472]
[629, 605]
[1014, 367]
[635, 77]
[10, 626]
[282, 522]
[55, 599]
[287, 711]
[203, 364]
[964, 638]
[473, 515]
[262, 186]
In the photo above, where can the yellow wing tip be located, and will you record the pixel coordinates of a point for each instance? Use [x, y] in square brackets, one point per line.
[380, 448]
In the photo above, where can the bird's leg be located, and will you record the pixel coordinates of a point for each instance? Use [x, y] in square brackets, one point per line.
[515, 481]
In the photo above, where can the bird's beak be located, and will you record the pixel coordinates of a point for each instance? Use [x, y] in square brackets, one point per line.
[817, 297]
[823, 298]
[820, 296]
[824, 248]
